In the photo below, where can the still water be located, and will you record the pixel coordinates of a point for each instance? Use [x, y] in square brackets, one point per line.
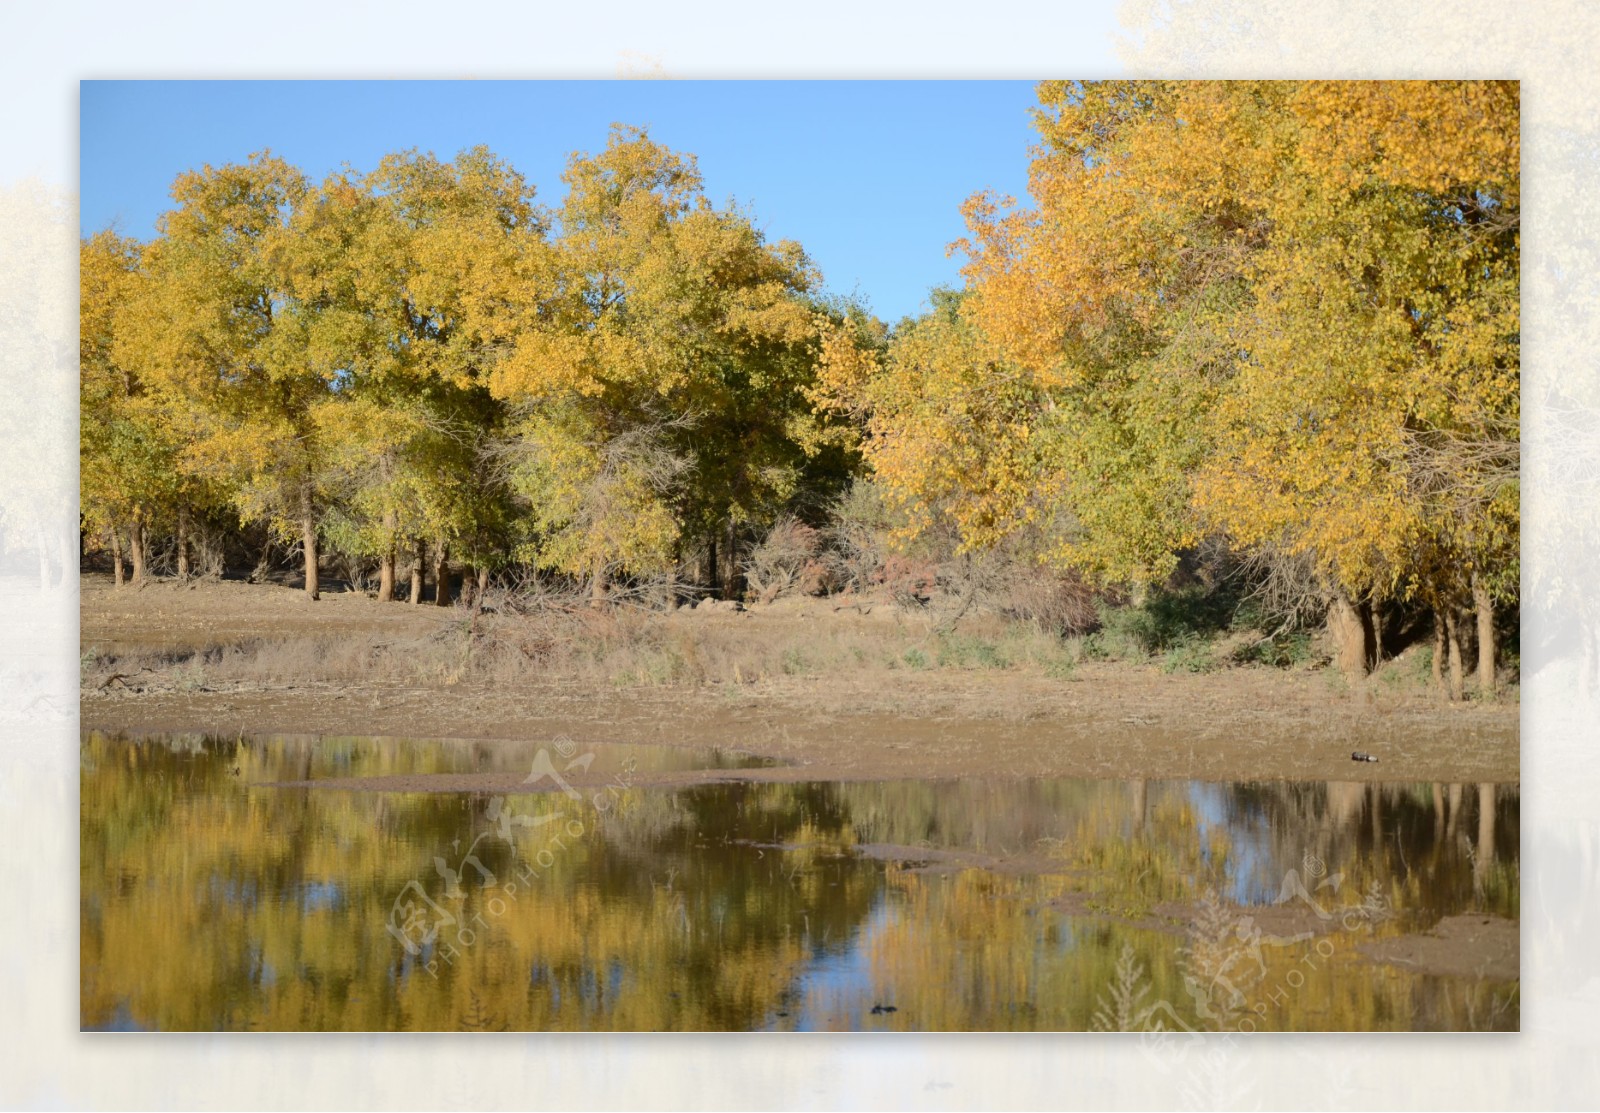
[212, 900]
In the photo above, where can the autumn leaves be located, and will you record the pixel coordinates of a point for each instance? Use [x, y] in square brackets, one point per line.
[423, 356]
[1282, 316]
[1279, 318]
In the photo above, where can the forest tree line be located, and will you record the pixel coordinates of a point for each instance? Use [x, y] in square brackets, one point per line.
[1277, 321]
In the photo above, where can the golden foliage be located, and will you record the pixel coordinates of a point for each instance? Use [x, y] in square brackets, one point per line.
[1282, 312]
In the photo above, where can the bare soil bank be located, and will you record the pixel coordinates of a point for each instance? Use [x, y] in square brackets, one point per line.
[855, 716]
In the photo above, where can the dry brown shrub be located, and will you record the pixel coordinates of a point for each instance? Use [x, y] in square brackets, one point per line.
[773, 568]
[909, 581]
[1062, 603]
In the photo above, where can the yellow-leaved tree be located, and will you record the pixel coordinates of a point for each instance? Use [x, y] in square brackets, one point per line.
[1374, 425]
[949, 428]
[215, 337]
[659, 386]
[127, 460]
[1282, 312]
[405, 283]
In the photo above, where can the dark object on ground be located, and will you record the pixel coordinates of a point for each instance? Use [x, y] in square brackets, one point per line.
[876, 1009]
[1359, 756]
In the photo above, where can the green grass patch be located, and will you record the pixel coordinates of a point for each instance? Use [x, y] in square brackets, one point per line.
[960, 651]
[1280, 651]
[1190, 656]
[1164, 622]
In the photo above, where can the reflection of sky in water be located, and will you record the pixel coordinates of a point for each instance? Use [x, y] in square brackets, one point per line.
[830, 988]
[1254, 875]
[318, 894]
[836, 986]
[236, 891]
[121, 1020]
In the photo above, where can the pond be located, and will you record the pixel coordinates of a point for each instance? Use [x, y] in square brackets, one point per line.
[224, 889]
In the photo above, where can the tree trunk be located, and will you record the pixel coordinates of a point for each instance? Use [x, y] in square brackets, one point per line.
[712, 568]
[1485, 607]
[1484, 859]
[597, 586]
[1438, 650]
[308, 530]
[418, 560]
[1454, 820]
[116, 557]
[1350, 634]
[386, 577]
[1372, 627]
[183, 542]
[1452, 637]
[481, 590]
[308, 537]
[387, 562]
[441, 575]
[733, 581]
[136, 548]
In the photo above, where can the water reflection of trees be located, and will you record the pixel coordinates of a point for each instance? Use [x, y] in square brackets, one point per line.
[1429, 847]
[210, 904]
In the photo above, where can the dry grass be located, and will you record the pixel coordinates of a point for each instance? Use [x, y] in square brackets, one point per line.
[621, 648]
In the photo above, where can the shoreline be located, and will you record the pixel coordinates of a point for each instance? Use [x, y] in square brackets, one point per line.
[1475, 745]
[227, 658]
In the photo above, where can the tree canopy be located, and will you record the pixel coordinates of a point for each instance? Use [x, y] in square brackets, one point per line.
[1281, 314]
[1277, 317]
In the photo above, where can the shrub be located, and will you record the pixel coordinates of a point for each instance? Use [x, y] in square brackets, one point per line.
[859, 537]
[1059, 603]
[1168, 620]
[1126, 633]
[1189, 656]
[189, 678]
[1422, 667]
[789, 559]
[909, 581]
[1283, 651]
[1179, 617]
[1060, 667]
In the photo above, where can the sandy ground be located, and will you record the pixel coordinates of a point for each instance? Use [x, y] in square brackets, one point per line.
[1106, 720]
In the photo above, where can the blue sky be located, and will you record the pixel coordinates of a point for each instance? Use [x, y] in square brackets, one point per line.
[868, 175]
